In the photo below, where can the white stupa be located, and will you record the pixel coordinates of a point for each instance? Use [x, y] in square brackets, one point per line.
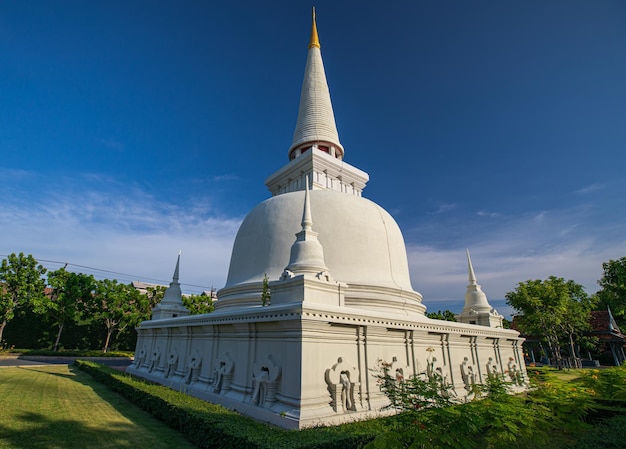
[477, 309]
[340, 299]
[171, 306]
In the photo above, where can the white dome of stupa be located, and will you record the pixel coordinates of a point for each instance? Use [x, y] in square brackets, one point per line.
[363, 247]
[362, 242]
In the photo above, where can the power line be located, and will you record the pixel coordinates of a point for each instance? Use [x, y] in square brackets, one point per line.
[126, 275]
[105, 271]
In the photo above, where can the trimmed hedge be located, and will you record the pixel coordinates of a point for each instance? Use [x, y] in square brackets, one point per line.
[212, 426]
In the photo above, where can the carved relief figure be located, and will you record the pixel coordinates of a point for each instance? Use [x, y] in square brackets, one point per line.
[223, 373]
[514, 373]
[492, 369]
[172, 363]
[342, 382]
[398, 370]
[260, 382]
[265, 382]
[430, 368]
[141, 357]
[467, 374]
[439, 374]
[430, 363]
[193, 367]
[155, 358]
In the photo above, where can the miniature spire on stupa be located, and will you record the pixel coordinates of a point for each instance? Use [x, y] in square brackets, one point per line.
[176, 270]
[307, 253]
[315, 127]
[171, 306]
[477, 309]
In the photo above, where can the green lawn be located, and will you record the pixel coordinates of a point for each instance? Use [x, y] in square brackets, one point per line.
[62, 407]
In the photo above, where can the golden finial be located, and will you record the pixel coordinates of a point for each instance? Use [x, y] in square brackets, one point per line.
[315, 41]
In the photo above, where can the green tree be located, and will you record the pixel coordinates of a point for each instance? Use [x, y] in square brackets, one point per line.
[153, 295]
[446, 315]
[118, 306]
[555, 309]
[71, 294]
[198, 304]
[613, 289]
[21, 284]
[266, 294]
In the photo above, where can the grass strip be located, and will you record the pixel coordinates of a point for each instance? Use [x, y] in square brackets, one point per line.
[59, 407]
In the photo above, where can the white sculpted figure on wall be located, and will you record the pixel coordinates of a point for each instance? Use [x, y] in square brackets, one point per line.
[193, 367]
[347, 401]
[431, 361]
[439, 374]
[514, 373]
[172, 363]
[265, 382]
[223, 373]
[155, 359]
[342, 379]
[467, 374]
[492, 369]
[398, 370]
[140, 359]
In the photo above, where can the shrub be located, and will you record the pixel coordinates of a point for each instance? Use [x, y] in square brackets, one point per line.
[606, 383]
[549, 416]
[213, 426]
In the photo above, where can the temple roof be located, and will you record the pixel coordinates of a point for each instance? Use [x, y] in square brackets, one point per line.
[604, 326]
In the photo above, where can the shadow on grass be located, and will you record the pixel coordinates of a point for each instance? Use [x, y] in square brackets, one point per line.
[40, 431]
[35, 430]
[161, 432]
[51, 372]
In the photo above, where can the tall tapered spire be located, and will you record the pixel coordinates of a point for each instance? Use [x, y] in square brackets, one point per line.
[315, 127]
[315, 40]
[470, 269]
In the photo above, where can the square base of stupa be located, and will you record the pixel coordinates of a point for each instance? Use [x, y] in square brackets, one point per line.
[299, 365]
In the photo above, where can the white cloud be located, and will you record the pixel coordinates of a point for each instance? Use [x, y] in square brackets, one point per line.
[226, 178]
[590, 188]
[122, 230]
[533, 246]
[444, 207]
[487, 214]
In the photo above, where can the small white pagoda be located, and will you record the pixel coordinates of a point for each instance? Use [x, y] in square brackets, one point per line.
[318, 292]
[477, 309]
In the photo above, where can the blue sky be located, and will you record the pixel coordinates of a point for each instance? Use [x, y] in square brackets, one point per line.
[132, 129]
